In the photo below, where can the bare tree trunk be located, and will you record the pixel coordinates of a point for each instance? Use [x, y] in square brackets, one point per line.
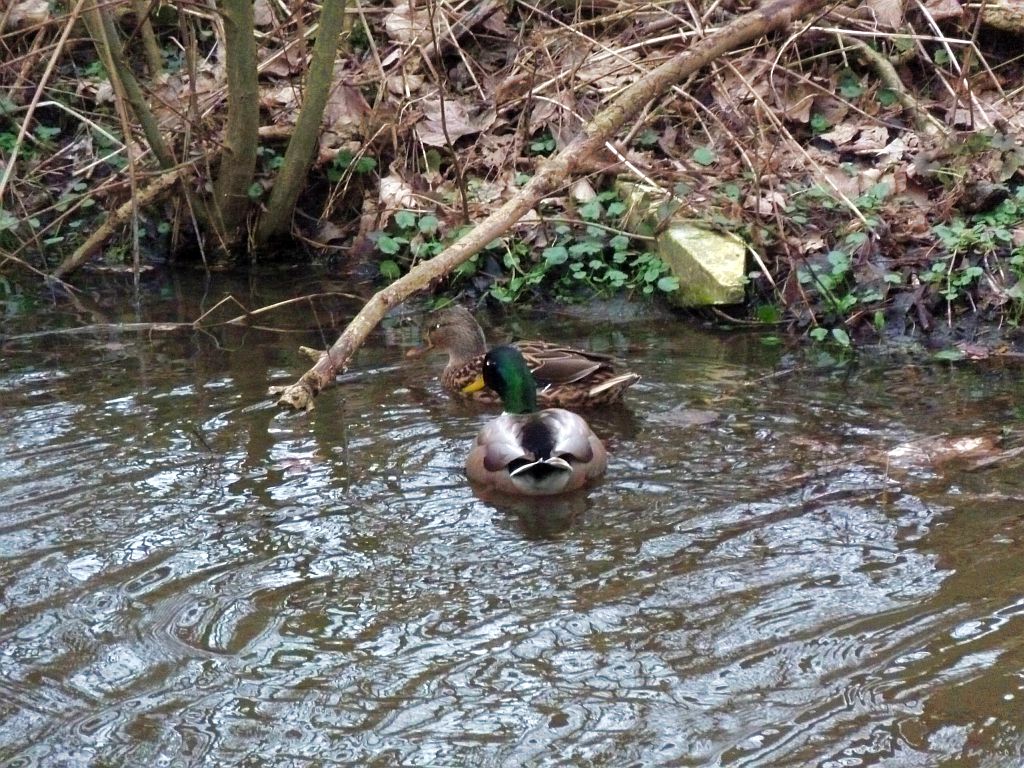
[552, 174]
[241, 137]
[108, 44]
[299, 155]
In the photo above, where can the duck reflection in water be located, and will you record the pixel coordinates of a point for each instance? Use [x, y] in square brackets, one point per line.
[538, 517]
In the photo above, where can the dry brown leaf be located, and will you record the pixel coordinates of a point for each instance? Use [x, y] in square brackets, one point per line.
[104, 93]
[282, 63]
[797, 107]
[404, 84]
[459, 121]
[395, 194]
[940, 449]
[893, 152]
[28, 13]
[544, 113]
[173, 93]
[832, 109]
[407, 25]
[812, 244]
[346, 107]
[583, 192]
[888, 14]
[263, 14]
[283, 97]
[974, 351]
[328, 232]
[841, 134]
[944, 9]
[608, 72]
[843, 181]
[495, 151]
[871, 140]
[766, 203]
[735, 88]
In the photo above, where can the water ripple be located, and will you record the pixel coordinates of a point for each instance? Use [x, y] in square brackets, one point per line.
[190, 578]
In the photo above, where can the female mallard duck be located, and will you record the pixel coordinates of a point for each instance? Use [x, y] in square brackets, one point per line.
[525, 451]
[566, 377]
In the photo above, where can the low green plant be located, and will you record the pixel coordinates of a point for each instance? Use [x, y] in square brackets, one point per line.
[819, 124]
[704, 156]
[413, 236]
[585, 257]
[969, 246]
[647, 139]
[346, 162]
[270, 158]
[836, 336]
[543, 144]
[833, 281]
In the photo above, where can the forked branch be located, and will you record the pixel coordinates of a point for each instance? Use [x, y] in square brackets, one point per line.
[551, 175]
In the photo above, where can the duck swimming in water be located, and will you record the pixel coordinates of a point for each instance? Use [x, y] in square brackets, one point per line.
[527, 451]
[566, 377]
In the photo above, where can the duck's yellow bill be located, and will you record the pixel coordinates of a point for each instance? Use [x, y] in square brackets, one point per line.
[475, 385]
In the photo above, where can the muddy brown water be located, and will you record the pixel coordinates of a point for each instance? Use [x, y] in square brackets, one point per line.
[190, 578]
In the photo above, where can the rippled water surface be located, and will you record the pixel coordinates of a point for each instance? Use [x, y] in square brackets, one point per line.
[779, 570]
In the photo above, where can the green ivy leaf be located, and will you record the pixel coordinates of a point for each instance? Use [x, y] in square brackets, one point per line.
[387, 244]
[586, 248]
[8, 223]
[704, 156]
[364, 164]
[619, 242]
[45, 132]
[466, 268]
[819, 123]
[850, 86]
[591, 211]
[616, 277]
[842, 337]
[405, 219]
[555, 255]
[429, 224]
[389, 270]
[668, 283]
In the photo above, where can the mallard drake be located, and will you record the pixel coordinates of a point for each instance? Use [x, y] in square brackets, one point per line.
[565, 377]
[525, 451]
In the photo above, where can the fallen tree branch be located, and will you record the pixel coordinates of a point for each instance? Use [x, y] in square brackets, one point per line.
[923, 121]
[550, 176]
[119, 218]
[155, 190]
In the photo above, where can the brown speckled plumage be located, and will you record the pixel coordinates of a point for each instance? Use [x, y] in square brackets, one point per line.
[566, 377]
